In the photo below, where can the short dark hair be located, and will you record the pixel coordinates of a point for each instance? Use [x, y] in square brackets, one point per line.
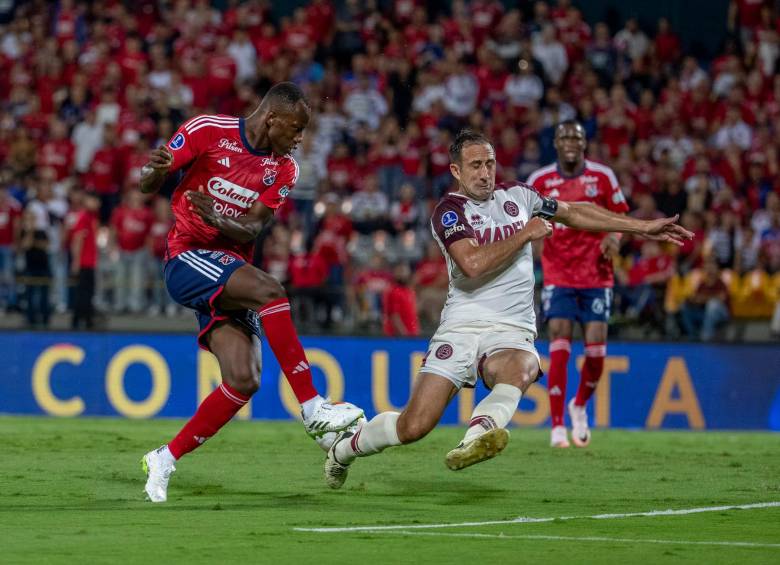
[464, 138]
[285, 95]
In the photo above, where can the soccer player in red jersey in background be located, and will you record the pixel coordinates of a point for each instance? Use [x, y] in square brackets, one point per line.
[239, 171]
[577, 267]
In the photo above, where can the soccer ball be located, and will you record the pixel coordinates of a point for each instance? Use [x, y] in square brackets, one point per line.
[325, 439]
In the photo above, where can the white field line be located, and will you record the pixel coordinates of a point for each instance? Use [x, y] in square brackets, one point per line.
[527, 520]
[584, 538]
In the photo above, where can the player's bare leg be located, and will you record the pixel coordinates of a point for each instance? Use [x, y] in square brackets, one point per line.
[251, 288]
[595, 350]
[239, 360]
[560, 330]
[508, 374]
[429, 399]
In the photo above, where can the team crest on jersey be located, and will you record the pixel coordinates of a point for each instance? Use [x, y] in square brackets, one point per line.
[444, 351]
[226, 259]
[449, 218]
[284, 191]
[591, 191]
[177, 142]
[511, 208]
[476, 220]
[269, 176]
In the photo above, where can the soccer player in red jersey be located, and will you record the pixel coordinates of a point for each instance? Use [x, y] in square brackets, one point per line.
[577, 267]
[238, 172]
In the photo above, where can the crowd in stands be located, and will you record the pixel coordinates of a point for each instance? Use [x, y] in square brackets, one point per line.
[87, 88]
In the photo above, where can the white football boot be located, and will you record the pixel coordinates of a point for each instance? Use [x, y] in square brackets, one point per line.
[330, 417]
[158, 469]
[558, 437]
[335, 471]
[481, 448]
[580, 432]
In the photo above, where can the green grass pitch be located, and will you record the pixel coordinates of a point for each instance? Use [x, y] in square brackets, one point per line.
[71, 492]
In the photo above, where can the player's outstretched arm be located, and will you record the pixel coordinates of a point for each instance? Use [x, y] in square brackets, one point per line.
[243, 229]
[154, 172]
[475, 260]
[586, 216]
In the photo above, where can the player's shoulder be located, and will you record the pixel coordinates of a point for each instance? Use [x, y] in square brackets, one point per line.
[542, 172]
[452, 201]
[211, 123]
[515, 188]
[596, 168]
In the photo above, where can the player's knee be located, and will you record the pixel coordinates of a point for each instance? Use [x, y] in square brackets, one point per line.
[244, 380]
[269, 290]
[412, 429]
[527, 377]
[560, 331]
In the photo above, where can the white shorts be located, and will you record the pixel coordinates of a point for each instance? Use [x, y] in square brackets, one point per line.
[456, 351]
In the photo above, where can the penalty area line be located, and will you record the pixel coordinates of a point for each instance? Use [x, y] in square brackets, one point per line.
[529, 520]
[582, 539]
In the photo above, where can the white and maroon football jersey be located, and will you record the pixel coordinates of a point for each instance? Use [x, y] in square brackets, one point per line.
[220, 159]
[572, 258]
[505, 295]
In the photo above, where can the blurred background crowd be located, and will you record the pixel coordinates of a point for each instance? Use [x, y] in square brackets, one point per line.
[87, 88]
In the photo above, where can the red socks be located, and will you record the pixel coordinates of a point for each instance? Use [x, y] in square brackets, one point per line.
[591, 371]
[560, 349]
[281, 336]
[215, 411]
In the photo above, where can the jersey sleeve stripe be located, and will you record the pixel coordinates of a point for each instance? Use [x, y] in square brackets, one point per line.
[209, 124]
[190, 126]
[192, 121]
[297, 170]
[533, 177]
[603, 169]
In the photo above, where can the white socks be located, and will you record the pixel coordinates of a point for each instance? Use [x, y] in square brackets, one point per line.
[495, 410]
[308, 407]
[374, 436]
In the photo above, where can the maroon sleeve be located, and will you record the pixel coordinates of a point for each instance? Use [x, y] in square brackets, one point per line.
[449, 221]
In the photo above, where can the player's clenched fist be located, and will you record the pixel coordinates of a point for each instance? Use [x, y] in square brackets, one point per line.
[160, 158]
[538, 228]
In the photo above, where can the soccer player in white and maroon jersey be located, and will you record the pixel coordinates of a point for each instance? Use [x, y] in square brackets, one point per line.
[488, 324]
[238, 172]
[577, 267]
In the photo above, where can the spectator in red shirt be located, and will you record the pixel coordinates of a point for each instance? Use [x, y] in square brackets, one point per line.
[157, 244]
[102, 176]
[369, 287]
[222, 72]
[10, 215]
[667, 44]
[399, 305]
[431, 282]
[642, 288]
[308, 281]
[57, 151]
[84, 256]
[130, 225]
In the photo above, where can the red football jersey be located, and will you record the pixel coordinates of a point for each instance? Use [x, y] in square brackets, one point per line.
[572, 258]
[235, 174]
